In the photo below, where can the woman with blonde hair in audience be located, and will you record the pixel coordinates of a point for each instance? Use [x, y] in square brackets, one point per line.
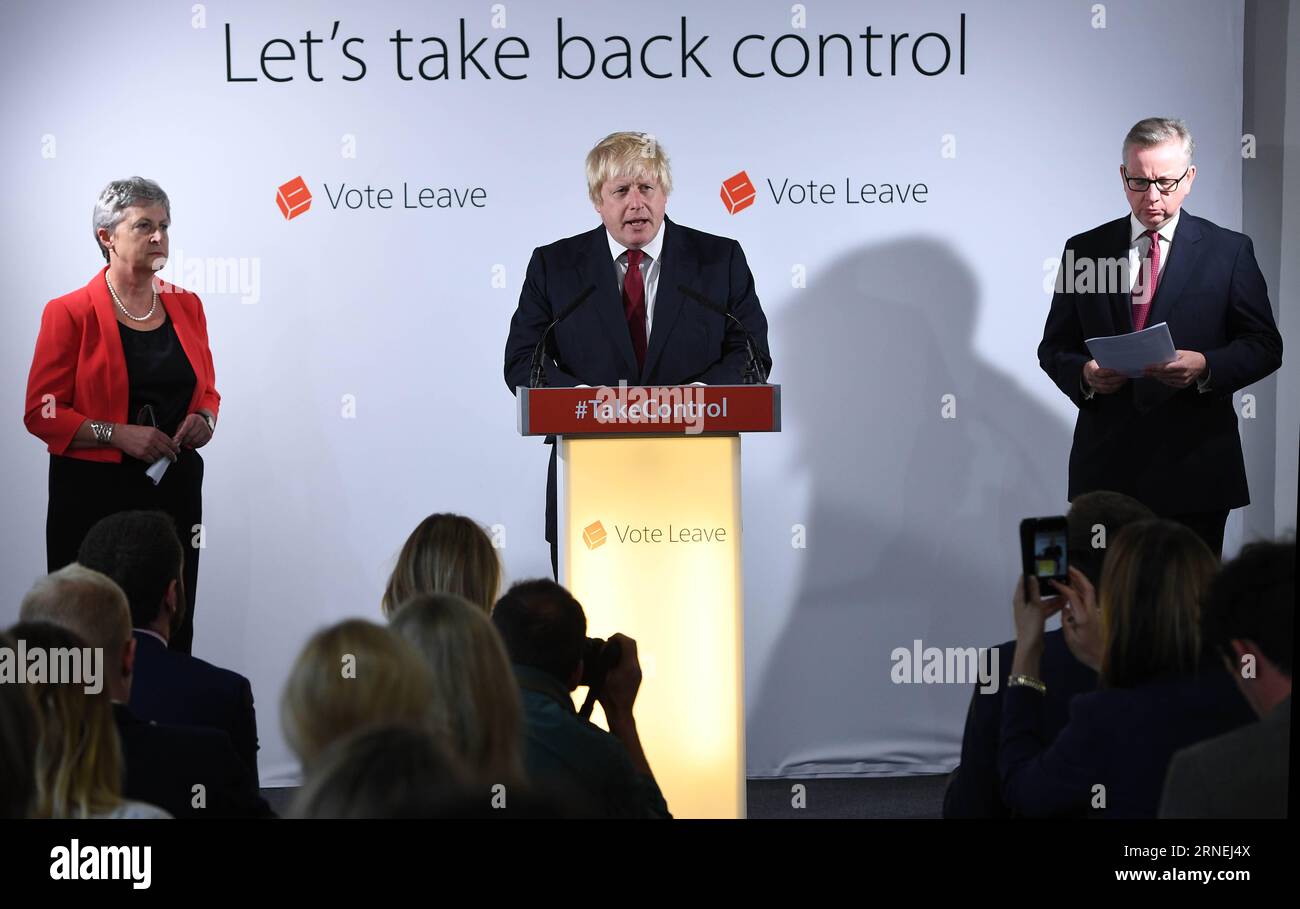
[79, 767]
[476, 711]
[1159, 689]
[446, 553]
[351, 676]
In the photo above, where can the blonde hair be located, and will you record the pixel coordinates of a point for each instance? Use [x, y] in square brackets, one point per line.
[446, 553]
[78, 755]
[86, 602]
[1152, 584]
[476, 711]
[352, 676]
[627, 154]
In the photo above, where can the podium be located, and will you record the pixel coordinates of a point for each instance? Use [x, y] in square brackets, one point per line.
[649, 526]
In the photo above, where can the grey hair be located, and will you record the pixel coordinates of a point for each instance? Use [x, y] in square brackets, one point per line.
[117, 197]
[84, 601]
[1156, 131]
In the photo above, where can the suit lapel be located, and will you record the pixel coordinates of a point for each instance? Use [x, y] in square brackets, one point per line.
[106, 316]
[677, 266]
[1182, 262]
[1151, 393]
[1121, 303]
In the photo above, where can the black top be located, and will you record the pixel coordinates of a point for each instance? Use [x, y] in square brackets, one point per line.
[159, 374]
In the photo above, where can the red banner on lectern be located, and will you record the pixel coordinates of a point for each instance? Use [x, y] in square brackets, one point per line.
[656, 409]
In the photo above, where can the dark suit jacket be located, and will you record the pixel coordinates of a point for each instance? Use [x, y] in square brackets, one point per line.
[164, 763]
[687, 342]
[176, 688]
[975, 789]
[1175, 450]
[1120, 738]
[1243, 774]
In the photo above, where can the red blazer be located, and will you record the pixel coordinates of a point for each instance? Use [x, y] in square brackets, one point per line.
[79, 371]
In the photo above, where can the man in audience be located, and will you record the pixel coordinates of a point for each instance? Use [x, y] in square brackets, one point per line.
[1250, 620]
[189, 771]
[975, 788]
[544, 629]
[142, 553]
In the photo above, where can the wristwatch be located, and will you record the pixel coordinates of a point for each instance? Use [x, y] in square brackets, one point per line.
[212, 425]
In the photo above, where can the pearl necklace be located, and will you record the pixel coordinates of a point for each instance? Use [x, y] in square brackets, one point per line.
[116, 299]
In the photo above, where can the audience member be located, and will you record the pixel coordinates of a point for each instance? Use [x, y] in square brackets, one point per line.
[544, 629]
[1249, 622]
[1157, 691]
[189, 771]
[142, 553]
[78, 756]
[446, 553]
[476, 712]
[382, 772]
[975, 788]
[17, 744]
[351, 676]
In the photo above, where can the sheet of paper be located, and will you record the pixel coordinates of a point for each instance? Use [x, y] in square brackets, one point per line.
[157, 469]
[1129, 354]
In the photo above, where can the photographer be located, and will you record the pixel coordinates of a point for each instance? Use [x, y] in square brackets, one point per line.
[600, 773]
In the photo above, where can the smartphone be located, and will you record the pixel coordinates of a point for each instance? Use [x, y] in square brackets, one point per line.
[1044, 547]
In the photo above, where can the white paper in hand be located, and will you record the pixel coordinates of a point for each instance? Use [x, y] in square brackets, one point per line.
[1131, 353]
[157, 469]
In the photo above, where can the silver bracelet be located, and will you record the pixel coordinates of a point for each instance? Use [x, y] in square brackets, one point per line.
[1027, 681]
[103, 431]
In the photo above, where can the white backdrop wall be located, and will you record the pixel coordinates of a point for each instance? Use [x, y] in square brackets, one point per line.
[910, 519]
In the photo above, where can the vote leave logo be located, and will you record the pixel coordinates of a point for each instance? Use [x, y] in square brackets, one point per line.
[594, 535]
[294, 198]
[738, 192]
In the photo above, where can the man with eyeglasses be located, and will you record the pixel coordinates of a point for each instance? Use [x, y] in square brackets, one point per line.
[1168, 439]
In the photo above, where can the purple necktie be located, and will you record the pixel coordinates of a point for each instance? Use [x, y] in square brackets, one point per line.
[1147, 283]
[634, 304]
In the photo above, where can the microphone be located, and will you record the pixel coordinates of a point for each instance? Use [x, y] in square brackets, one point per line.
[759, 363]
[537, 373]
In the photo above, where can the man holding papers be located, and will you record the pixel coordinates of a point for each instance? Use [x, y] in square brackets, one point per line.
[1168, 435]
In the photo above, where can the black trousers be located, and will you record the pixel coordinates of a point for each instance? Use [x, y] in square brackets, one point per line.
[84, 492]
[1208, 525]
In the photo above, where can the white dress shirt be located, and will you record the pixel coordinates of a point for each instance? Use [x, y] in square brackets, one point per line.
[1139, 243]
[649, 269]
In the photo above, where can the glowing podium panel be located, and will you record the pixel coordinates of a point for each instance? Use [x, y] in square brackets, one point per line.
[650, 544]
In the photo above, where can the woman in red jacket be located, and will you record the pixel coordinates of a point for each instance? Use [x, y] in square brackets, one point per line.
[122, 378]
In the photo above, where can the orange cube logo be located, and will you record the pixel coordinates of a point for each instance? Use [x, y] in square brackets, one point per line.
[738, 192]
[294, 198]
[594, 535]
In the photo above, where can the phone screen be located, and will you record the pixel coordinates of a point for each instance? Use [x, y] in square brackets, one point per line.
[1044, 543]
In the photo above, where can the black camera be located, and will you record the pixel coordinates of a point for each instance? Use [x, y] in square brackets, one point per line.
[598, 658]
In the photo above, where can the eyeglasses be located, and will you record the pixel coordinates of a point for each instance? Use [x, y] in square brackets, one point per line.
[1166, 185]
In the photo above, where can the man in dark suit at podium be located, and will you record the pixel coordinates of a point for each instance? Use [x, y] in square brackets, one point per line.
[656, 296]
[1168, 439]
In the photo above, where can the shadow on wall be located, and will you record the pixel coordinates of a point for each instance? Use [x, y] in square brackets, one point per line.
[912, 517]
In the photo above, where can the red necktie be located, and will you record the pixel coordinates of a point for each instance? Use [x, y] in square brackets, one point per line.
[1145, 291]
[634, 304]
